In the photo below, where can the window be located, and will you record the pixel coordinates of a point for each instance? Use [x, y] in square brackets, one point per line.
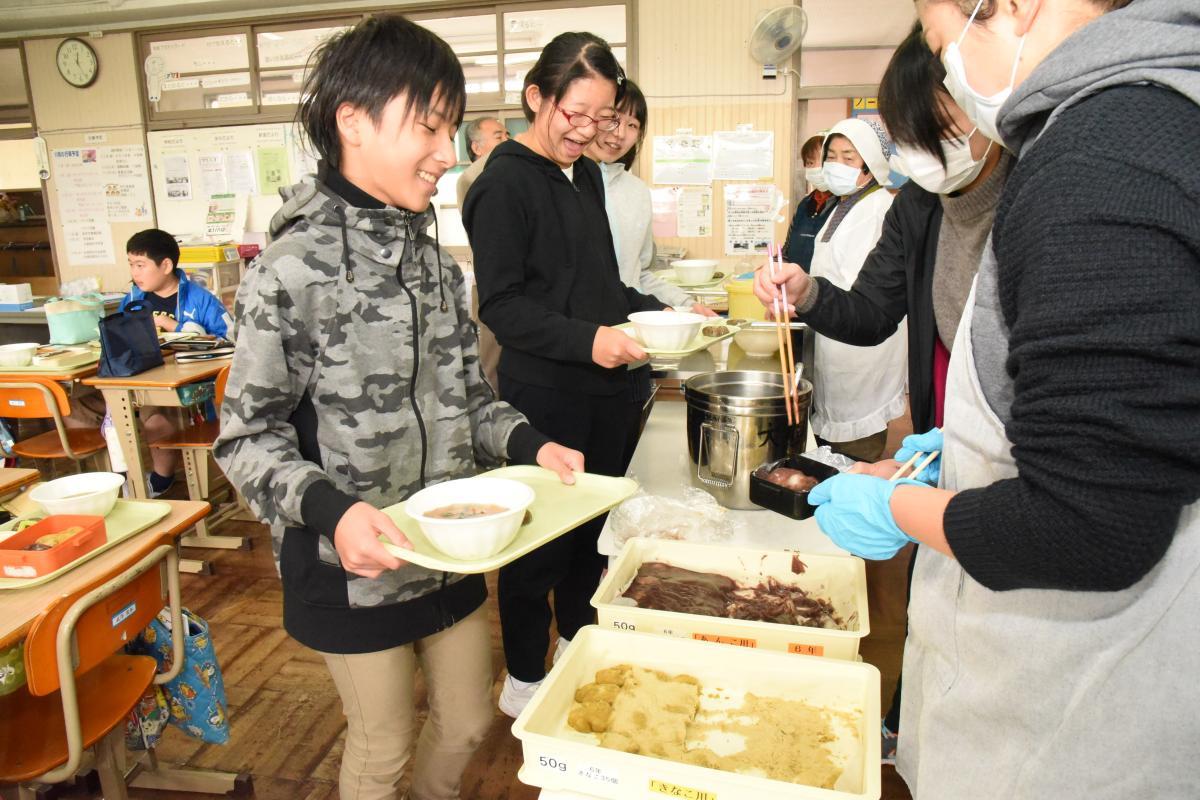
[16, 117]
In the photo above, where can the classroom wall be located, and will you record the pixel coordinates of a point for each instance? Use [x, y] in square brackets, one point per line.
[104, 114]
[695, 68]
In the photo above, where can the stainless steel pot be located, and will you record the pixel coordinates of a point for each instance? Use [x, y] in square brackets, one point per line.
[737, 421]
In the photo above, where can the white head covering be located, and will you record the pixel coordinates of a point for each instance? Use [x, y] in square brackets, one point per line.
[871, 142]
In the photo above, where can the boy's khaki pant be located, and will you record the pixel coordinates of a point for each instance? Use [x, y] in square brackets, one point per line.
[377, 698]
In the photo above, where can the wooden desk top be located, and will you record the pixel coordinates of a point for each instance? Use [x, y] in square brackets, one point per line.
[13, 479]
[19, 607]
[61, 375]
[170, 375]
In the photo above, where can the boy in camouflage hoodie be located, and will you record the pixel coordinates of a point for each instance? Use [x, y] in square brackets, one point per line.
[355, 383]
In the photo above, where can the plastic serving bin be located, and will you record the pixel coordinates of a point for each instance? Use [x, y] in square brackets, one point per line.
[781, 499]
[18, 563]
[561, 759]
[842, 579]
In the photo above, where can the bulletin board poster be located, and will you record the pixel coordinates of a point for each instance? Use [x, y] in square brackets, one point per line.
[750, 211]
[95, 187]
[683, 160]
[682, 211]
[743, 155]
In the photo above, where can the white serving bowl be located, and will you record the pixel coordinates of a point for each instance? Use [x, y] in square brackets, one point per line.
[17, 355]
[691, 271]
[666, 330]
[757, 342]
[92, 493]
[473, 538]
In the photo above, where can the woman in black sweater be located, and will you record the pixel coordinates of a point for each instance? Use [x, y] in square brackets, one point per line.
[550, 289]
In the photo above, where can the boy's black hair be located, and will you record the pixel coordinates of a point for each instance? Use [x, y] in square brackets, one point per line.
[567, 58]
[911, 97]
[633, 103]
[154, 245]
[366, 66]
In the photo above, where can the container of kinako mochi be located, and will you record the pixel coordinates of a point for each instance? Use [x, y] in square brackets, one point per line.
[773, 600]
[783, 486]
[50, 544]
[693, 719]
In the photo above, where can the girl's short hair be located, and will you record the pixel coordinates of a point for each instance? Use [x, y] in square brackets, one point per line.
[567, 58]
[811, 150]
[633, 103]
[367, 66]
[911, 97]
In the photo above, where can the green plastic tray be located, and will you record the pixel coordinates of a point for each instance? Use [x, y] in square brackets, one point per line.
[127, 518]
[556, 509]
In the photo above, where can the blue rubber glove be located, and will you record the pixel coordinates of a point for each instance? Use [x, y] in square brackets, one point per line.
[855, 512]
[925, 442]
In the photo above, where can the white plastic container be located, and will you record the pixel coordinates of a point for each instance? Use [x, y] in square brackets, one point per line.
[841, 579]
[691, 271]
[666, 330]
[91, 493]
[561, 759]
[17, 355]
[15, 293]
[474, 537]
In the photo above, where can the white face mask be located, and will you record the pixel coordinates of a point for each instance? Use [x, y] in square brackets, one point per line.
[842, 178]
[979, 109]
[816, 178]
[928, 173]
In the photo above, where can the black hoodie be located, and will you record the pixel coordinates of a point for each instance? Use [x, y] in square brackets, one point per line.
[546, 269]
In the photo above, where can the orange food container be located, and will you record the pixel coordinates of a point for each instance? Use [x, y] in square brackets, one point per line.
[16, 562]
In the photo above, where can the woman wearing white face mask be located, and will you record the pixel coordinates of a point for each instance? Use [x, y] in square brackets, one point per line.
[920, 272]
[1061, 569]
[813, 210]
[857, 390]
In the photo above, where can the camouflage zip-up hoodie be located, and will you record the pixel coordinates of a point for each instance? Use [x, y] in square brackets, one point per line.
[356, 377]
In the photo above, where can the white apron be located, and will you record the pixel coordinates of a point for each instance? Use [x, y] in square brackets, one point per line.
[1037, 694]
[856, 390]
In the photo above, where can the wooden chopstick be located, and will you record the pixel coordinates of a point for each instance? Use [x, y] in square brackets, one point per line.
[787, 337]
[907, 464]
[779, 337]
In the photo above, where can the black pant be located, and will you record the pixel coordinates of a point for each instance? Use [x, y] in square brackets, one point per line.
[603, 429]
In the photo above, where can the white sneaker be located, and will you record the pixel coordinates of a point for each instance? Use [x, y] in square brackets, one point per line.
[516, 695]
[559, 649]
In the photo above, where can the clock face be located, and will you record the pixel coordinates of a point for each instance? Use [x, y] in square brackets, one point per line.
[77, 62]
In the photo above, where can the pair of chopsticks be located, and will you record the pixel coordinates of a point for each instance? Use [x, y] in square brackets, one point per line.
[783, 331]
[908, 465]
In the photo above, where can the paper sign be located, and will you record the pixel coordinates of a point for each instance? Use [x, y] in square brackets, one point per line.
[683, 160]
[88, 243]
[735, 640]
[743, 155]
[664, 201]
[749, 217]
[273, 172]
[695, 212]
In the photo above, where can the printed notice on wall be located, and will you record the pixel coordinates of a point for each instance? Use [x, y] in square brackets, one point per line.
[695, 211]
[683, 159]
[126, 183]
[273, 171]
[214, 177]
[750, 211]
[178, 176]
[88, 243]
[743, 155]
[664, 204]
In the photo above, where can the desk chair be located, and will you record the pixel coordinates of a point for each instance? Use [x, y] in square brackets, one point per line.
[35, 397]
[81, 685]
[194, 442]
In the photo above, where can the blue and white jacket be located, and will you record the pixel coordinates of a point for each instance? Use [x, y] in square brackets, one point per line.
[197, 310]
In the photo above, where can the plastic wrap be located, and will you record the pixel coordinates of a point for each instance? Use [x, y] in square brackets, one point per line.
[826, 456]
[696, 517]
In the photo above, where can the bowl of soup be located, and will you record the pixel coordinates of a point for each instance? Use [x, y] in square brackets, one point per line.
[472, 518]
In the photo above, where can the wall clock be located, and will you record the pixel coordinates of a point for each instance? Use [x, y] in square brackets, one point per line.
[77, 62]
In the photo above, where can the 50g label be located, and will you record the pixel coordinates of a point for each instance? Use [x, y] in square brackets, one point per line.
[550, 762]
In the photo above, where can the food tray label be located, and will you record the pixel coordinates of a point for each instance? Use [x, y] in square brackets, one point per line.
[806, 649]
[671, 790]
[599, 774]
[740, 641]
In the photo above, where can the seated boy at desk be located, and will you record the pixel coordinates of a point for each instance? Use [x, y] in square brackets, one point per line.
[177, 305]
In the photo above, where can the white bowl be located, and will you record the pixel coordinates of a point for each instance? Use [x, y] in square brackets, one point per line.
[473, 538]
[17, 355]
[666, 330]
[691, 271]
[93, 493]
[757, 342]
